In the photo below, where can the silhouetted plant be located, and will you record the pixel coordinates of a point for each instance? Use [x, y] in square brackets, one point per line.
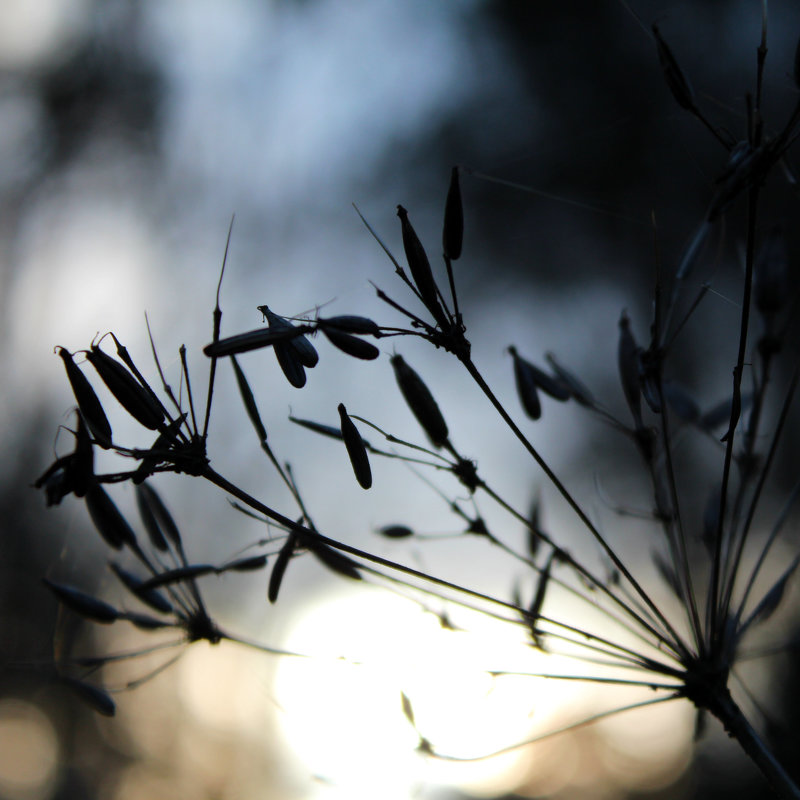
[687, 651]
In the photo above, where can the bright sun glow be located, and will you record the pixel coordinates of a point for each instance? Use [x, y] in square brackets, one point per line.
[344, 718]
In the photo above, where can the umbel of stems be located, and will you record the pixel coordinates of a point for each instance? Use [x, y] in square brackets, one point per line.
[687, 652]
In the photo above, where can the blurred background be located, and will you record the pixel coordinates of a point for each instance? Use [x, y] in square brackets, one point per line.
[130, 134]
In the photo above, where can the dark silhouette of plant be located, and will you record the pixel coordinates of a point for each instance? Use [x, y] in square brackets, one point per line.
[687, 652]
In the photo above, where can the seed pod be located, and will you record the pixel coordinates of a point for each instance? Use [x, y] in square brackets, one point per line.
[318, 427]
[554, 387]
[628, 362]
[253, 340]
[160, 514]
[334, 560]
[770, 279]
[420, 268]
[396, 531]
[535, 610]
[421, 402]
[87, 400]
[148, 519]
[772, 598]
[136, 586]
[248, 564]
[576, 388]
[526, 386]
[533, 529]
[679, 85]
[278, 570]
[290, 365]
[348, 323]
[453, 231]
[83, 604]
[185, 573]
[299, 345]
[131, 395]
[110, 524]
[145, 622]
[352, 345]
[408, 709]
[98, 699]
[249, 401]
[355, 449]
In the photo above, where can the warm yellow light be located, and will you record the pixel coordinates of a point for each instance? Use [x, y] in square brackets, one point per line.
[28, 752]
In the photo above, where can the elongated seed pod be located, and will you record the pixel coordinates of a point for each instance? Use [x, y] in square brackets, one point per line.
[396, 531]
[552, 386]
[135, 585]
[97, 699]
[185, 573]
[352, 345]
[110, 523]
[678, 83]
[771, 600]
[249, 401]
[254, 340]
[355, 449]
[421, 402]
[349, 323]
[535, 610]
[291, 365]
[526, 386]
[247, 564]
[88, 403]
[145, 622]
[279, 568]
[160, 513]
[324, 430]
[82, 603]
[576, 387]
[137, 401]
[334, 560]
[453, 229]
[420, 268]
[149, 520]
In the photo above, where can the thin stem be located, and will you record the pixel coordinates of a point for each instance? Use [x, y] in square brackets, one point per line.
[550, 734]
[677, 643]
[715, 608]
